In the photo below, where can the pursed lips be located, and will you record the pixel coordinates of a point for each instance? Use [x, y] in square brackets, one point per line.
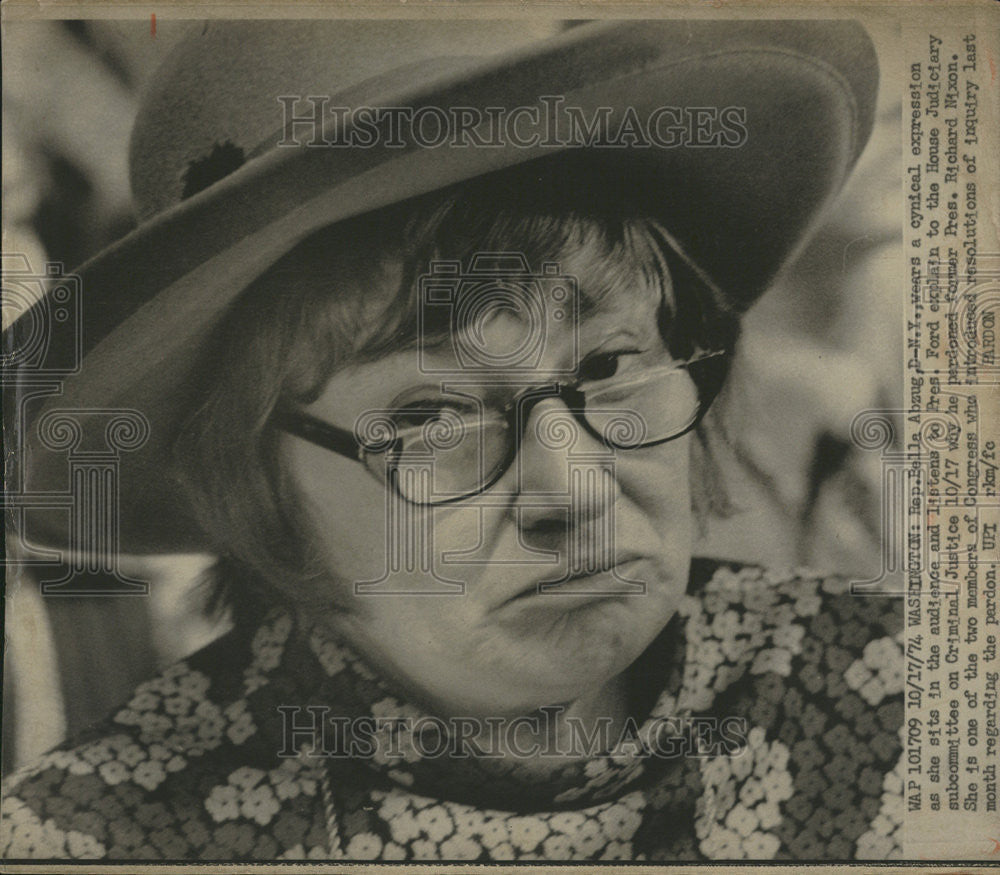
[534, 587]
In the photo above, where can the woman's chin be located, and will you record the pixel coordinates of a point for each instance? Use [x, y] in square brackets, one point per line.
[571, 645]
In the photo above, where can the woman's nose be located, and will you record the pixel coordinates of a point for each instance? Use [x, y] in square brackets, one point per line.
[562, 470]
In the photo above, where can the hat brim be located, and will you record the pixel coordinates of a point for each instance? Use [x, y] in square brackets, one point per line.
[149, 301]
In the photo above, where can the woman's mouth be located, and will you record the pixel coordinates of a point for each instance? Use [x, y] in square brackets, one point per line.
[624, 577]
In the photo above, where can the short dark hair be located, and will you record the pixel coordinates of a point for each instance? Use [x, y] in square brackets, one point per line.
[349, 293]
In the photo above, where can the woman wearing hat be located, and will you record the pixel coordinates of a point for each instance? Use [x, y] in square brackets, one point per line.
[441, 407]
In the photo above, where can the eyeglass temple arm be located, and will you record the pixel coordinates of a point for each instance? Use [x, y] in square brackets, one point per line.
[329, 437]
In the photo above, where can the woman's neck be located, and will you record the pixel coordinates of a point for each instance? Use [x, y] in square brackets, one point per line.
[587, 726]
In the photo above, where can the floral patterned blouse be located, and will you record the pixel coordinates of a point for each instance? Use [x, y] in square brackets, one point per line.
[201, 763]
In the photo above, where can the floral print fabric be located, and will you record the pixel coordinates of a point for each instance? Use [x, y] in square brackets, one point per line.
[199, 763]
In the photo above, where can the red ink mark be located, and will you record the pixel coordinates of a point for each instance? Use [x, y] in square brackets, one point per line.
[152, 24]
[996, 844]
[993, 67]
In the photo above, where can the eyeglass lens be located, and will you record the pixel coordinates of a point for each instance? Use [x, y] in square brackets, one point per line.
[448, 445]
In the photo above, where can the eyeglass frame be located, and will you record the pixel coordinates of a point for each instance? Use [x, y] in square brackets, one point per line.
[344, 442]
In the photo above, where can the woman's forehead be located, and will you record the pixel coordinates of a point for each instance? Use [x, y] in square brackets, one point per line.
[509, 341]
[510, 345]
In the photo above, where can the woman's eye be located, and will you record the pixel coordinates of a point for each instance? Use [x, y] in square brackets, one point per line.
[418, 413]
[604, 365]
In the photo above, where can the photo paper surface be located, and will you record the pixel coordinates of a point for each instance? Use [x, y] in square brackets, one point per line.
[502, 435]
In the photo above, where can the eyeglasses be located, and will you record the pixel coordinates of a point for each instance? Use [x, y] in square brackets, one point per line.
[468, 443]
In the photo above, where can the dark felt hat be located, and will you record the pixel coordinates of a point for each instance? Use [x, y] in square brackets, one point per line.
[743, 131]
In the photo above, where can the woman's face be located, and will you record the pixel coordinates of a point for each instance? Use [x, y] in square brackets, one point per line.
[498, 643]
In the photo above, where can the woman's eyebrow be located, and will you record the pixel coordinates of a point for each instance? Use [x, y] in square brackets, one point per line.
[619, 335]
[634, 323]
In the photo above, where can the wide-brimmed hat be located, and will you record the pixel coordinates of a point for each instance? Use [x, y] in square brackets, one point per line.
[744, 131]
